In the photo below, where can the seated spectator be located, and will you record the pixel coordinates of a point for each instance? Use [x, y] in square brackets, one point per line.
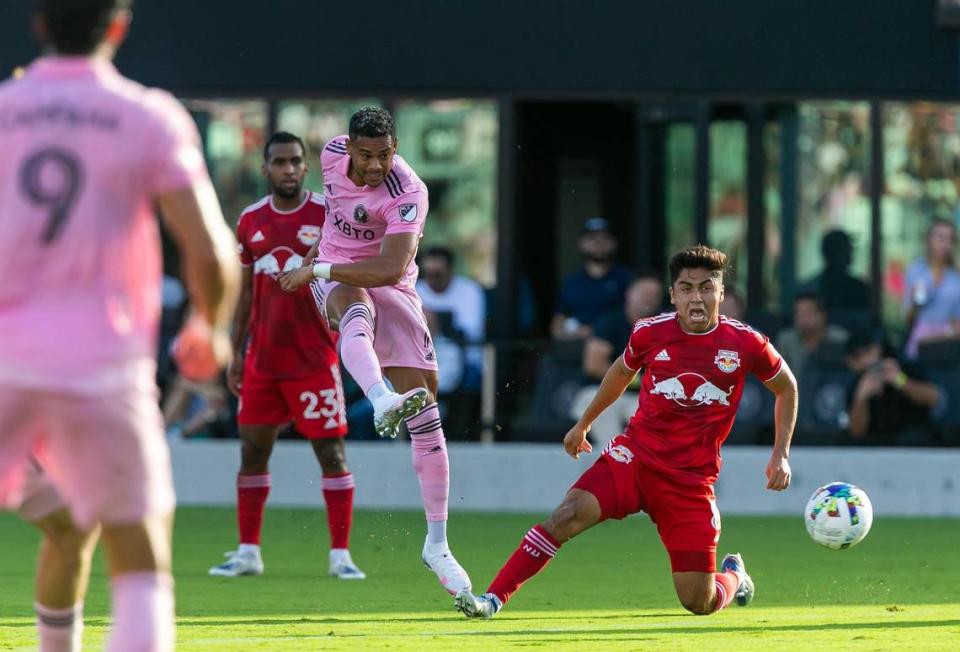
[458, 305]
[810, 331]
[931, 303]
[845, 297]
[732, 305]
[890, 403]
[596, 289]
[196, 409]
[643, 298]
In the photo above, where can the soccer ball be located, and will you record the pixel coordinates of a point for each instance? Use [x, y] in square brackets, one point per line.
[838, 515]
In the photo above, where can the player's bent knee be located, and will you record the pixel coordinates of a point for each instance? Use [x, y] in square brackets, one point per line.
[578, 511]
[698, 605]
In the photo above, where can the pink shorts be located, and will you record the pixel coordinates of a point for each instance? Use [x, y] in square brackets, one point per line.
[106, 455]
[401, 337]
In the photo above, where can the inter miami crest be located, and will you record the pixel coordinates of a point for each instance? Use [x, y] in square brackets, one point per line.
[360, 214]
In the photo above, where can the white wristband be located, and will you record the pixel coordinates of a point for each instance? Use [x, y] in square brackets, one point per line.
[322, 270]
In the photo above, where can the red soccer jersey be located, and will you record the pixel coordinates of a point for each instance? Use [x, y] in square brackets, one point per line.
[288, 339]
[690, 390]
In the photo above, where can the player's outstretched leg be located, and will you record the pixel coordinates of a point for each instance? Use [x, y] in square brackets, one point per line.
[578, 511]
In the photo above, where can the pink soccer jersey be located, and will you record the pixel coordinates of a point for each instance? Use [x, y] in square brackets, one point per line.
[85, 153]
[358, 217]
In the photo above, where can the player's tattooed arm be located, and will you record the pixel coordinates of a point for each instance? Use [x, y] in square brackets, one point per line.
[614, 384]
[784, 386]
[388, 268]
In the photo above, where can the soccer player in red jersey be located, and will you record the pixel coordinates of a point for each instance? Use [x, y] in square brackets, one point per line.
[289, 370]
[693, 364]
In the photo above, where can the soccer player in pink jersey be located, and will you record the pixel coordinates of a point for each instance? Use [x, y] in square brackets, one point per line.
[288, 369]
[365, 278]
[86, 155]
[693, 363]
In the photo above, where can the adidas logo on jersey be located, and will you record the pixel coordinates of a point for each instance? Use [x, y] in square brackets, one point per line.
[663, 356]
[258, 237]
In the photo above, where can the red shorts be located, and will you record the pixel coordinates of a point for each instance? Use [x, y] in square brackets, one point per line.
[313, 403]
[686, 516]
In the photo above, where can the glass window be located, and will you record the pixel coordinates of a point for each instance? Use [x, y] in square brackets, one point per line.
[317, 122]
[727, 224]
[233, 132]
[922, 160]
[834, 162]
[452, 144]
[680, 154]
[772, 217]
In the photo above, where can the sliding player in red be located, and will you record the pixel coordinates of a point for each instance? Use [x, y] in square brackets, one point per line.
[693, 364]
[289, 370]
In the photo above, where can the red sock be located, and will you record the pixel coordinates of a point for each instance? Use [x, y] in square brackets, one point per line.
[252, 492]
[726, 585]
[338, 494]
[536, 549]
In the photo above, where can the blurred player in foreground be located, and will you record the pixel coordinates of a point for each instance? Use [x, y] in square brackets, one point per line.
[87, 153]
[365, 278]
[694, 363]
[289, 370]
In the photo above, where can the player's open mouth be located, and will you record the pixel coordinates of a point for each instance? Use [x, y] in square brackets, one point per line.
[697, 314]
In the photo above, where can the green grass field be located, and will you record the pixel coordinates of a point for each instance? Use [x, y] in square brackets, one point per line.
[611, 588]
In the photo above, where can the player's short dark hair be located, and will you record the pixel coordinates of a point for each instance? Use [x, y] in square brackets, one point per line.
[446, 253]
[372, 122]
[698, 257]
[810, 295]
[78, 26]
[281, 137]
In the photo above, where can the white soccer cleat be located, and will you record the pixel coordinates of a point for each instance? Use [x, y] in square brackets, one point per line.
[438, 558]
[477, 606]
[342, 566]
[239, 563]
[390, 410]
[734, 562]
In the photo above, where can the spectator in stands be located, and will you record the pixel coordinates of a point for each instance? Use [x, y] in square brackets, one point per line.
[808, 335]
[890, 403]
[458, 305]
[596, 289]
[845, 297]
[643, 298]
[931, 302]
[732, 305]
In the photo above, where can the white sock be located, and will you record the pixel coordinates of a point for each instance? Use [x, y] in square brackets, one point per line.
[436, 532]
[338, 555]
[143, 619]
[377, 390]
[249, 549]
[59, 630]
